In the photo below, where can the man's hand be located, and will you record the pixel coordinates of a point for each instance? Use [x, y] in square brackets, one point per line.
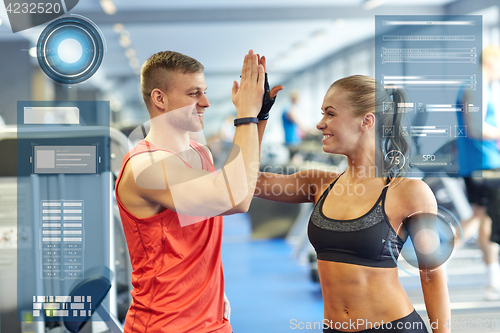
[248, 95]
[227, 308]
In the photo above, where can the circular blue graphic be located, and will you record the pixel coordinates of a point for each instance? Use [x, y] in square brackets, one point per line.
[70, 50]
[432, 241]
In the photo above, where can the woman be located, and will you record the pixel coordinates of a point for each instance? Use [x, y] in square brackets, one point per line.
[356, 226]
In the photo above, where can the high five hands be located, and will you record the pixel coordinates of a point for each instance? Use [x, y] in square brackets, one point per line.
[253, 79]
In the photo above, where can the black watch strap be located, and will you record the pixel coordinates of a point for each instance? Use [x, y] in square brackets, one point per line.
[240, 121]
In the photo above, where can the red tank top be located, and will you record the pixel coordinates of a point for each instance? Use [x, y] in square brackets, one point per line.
[177, 271]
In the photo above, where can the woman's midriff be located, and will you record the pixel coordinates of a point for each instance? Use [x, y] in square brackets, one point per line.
[359, 297]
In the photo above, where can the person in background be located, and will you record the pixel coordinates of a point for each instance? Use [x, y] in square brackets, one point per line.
[479, 151]
[292, 122]
[294, 127]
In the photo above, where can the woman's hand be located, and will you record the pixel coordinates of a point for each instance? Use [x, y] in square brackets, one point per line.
[274, 90]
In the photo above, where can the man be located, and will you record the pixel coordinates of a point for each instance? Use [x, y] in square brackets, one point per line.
[171, 199]
[478, 152]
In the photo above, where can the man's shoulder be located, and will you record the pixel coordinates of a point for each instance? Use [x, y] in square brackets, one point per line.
[144, 159]
[142, 168]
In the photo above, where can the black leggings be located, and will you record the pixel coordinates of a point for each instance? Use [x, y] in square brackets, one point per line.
[412, 323]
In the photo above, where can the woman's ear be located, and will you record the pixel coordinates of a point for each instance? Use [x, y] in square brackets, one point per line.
[368, 122]
[159, 99]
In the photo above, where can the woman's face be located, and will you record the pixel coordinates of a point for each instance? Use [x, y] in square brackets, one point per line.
[339, 126]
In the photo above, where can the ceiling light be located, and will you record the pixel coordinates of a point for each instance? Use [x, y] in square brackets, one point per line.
[108, 6]
[115, 105]
[339, 23]
[32, 52]
[370, 4]
[118, 27]
[134, 62]
[130, 53]
[125, 42]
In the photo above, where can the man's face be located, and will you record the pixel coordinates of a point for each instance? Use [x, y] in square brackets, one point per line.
[186, 100]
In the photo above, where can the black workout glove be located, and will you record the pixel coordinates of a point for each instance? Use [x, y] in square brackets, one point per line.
[267, 102]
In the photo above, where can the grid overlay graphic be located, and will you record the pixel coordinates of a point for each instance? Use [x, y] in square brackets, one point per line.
[62, 239]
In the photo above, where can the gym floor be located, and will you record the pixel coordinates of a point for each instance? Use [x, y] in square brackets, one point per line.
[266, 287]
[271, 292]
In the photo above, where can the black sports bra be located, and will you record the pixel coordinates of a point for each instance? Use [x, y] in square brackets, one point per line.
[369, 240]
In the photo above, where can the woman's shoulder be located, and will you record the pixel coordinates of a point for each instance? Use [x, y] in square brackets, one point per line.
[409, 184]
[413, 195]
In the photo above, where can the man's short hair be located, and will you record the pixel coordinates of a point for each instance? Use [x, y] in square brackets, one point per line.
[155, 71]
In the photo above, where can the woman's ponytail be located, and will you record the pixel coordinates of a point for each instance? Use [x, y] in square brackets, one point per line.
[397, 142]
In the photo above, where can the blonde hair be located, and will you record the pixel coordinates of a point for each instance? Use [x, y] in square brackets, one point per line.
[490, 53]
[294, 95]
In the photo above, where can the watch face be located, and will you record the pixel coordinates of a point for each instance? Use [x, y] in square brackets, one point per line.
[70, 50]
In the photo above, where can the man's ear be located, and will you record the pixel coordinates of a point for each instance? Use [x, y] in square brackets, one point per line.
[368, 121]
[159, 99]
